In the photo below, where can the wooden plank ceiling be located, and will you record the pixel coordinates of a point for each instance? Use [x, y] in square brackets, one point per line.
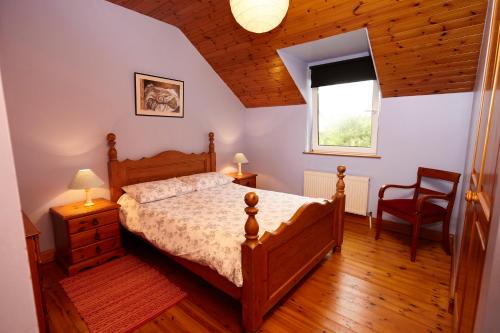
[420, 47]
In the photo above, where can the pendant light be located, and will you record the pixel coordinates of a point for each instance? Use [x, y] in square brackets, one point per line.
[259, 15]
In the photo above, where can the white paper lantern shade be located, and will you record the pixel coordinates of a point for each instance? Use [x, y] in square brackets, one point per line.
[259, 15]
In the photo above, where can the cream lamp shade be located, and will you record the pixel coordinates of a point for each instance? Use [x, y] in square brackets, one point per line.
[240, 158]
[85, 179]
[259, 15]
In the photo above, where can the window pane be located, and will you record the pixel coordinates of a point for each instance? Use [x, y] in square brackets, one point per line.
[345, 114]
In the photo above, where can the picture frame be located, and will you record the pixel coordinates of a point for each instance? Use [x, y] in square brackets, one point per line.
[158, 96]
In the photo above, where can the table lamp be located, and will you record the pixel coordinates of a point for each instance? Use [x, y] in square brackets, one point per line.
[85, 179]
[240, 158]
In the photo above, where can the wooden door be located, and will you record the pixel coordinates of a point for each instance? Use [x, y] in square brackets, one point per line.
[480, 201]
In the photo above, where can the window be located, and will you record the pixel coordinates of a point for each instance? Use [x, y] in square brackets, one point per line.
[345, 117]
[346, 103]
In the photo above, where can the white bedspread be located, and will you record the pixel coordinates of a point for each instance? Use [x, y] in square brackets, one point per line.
[207, 226]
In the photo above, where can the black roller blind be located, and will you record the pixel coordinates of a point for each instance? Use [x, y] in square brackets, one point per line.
[352, 70]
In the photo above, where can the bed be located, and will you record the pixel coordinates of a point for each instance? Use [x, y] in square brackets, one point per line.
[271, 262]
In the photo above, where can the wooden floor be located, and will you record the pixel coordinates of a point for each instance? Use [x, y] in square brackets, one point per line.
[371, 286]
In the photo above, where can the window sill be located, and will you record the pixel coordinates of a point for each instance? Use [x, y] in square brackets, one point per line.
[326, 153]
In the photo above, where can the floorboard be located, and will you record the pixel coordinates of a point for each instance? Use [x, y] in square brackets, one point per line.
[370, 286]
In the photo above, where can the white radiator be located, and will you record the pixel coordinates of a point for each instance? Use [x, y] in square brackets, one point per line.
[322, 185]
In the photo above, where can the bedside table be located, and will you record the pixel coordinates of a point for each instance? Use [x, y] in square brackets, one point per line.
[86, 236]
[247, 179]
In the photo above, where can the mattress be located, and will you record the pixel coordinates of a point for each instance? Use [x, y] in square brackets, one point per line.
[207, 226]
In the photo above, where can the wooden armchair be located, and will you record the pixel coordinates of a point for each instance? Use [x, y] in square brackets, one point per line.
[419, 210]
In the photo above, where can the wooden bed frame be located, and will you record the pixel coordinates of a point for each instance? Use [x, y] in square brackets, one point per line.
[272, 263]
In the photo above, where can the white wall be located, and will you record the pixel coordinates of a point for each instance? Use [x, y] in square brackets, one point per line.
[69, 79]
[17, 307]
[414, 131]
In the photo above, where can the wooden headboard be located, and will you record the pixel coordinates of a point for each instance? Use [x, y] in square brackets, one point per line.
[165, 165]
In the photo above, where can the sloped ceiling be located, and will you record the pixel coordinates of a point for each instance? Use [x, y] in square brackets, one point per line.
[420, 46]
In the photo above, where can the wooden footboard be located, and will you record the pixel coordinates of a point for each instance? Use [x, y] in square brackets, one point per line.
[275, 262]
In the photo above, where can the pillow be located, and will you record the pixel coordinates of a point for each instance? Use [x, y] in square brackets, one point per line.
[206, 180]
[157, 190]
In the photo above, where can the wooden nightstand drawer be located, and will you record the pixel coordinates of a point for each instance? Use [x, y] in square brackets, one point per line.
[94, 250]
[91, 236]
[250, 182]
[92, 221]
[72, 269]
[245, 179]
[86, 236]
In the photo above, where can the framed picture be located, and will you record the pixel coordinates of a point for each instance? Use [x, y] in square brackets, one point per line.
[158, 96]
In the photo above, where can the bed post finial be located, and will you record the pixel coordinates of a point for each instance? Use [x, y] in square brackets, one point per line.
[251, 226]
[112, 154]
[211, 146]
[211, 151]
[254, 279]
[340, 183]
[339, 198]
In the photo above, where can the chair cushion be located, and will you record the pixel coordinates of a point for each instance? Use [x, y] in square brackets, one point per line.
[409, 207]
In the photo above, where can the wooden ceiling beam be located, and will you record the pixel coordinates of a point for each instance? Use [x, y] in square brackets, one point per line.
[411, 70]
[436, 84]
[410, 63]
[437, 73]
[470, 20]
[456, 45]
[428, 89]
[430, 39]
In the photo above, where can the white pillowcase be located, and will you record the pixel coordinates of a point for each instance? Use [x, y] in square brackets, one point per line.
[201, 181]
[157, 190]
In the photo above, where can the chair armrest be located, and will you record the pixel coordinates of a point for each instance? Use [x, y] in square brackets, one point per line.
[385, 187]
[424, 198]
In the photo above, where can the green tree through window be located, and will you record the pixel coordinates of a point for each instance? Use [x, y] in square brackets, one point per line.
[346, 117]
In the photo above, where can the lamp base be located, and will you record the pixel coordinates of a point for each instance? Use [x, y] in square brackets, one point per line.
[239, 173]
[88, 199]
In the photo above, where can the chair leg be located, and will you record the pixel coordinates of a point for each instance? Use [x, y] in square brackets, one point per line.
[378, 224]
[446, 236]
[414, 240]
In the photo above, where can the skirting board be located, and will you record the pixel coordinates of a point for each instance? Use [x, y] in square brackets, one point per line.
[47, 256]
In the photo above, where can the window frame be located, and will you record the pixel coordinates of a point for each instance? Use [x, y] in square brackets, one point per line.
[343, 150]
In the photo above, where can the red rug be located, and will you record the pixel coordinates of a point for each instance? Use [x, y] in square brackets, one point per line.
[121, 295]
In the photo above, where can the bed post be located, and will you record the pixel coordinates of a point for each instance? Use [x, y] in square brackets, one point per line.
[114, 193]
[252, 300]
[339, 198]
[211, 150]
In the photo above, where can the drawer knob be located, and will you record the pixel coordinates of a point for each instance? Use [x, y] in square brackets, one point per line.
[98, 249]
[97, 236]
[95, 222]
